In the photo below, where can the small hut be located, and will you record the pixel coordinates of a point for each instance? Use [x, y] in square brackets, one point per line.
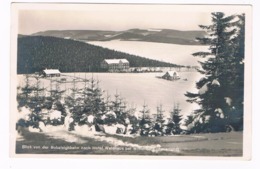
[171, 75]
[51, 73]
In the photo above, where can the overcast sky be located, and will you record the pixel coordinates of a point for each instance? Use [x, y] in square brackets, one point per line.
[42, 17]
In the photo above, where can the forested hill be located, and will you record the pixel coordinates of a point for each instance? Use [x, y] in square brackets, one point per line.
[36, 53]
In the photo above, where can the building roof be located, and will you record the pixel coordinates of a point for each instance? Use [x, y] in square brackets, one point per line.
[115, 61]
[51, 71]
[172, 73]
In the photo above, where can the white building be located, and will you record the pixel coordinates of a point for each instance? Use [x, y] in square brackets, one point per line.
[115, 65]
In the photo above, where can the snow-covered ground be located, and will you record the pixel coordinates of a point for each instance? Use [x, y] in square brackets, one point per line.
[60, 132]
[217, 144]
[178, 54]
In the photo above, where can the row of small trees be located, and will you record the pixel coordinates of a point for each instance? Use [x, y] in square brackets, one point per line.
[89, 100]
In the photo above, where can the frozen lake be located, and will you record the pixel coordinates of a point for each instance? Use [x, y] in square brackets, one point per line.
[178, 54]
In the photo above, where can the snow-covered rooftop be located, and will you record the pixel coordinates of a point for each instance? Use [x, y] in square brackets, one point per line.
[51, 71]
[116, 61]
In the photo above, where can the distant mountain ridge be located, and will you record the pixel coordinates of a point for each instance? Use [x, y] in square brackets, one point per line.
[147, 35]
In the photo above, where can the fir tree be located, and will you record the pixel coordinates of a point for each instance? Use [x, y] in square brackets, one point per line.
[159, 115]
[55, 100]
[145, 121]
[23, 98]
[110, 116]
[108, 103]
[70, 100]
[75, 103]
[119, 107]
[57, 93]
[159, 120]
[220, 73]
[235, 118]
[133, 120]
[93, 102]
[36, 104]
[37, 91]
[175, 122]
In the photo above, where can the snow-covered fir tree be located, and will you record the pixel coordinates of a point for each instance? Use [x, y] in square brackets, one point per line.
[145, 121]
[36, 104]
[235, 117]
[109, 116]
[159, 120]
[159, 114]
[119, 107]
[175, 123]
[133, 120]
[93, 103]
[220, 91]
[74, 103]
[23, 97]
[55, 92]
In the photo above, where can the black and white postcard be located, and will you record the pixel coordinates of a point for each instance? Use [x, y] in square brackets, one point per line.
[138, 80]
